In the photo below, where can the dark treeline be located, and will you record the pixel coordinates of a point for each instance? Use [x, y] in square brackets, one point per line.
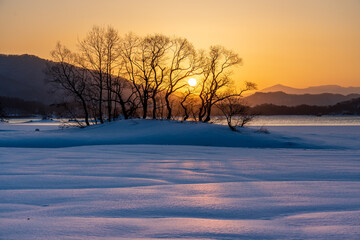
[111, 76]
[351, 107]
[15, 107]
[10, 106]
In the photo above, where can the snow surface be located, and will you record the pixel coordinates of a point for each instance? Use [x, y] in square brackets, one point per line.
[308, 189]
[153, 132]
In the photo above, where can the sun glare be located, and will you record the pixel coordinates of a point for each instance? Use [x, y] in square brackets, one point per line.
[192, 82]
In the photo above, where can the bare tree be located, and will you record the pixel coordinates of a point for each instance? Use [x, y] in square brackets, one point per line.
[126, 96]
[144, 64]
[183, 64]
[186, 104]
[68, 77]
[235, 111]
[156, 47]
[216, 81]
[135, 62]
[112, 43]
[99, 54]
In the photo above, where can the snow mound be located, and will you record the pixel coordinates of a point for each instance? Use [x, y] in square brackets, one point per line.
[155, 132]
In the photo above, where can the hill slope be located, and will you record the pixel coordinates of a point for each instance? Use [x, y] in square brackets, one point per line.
[22, 76]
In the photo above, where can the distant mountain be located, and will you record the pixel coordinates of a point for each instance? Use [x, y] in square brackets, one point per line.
[351, 107]
[313, 90]
[281, 98]
[22, 76]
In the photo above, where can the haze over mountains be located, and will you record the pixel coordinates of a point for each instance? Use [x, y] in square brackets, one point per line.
[313, 90]
[324, 95]
[284, 99]
[22, 76]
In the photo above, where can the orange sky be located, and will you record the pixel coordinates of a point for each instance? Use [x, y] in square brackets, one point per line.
[298, 43]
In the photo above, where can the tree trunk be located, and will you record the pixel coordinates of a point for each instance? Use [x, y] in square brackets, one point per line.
[208, 114]
[145, 109]
[168, 107]
[100, 108]
[186, 114]
[201, 114]
[115, 113]
[100, 100]
[154, 108]
[85, 111]
[109, 105]
[123, 109]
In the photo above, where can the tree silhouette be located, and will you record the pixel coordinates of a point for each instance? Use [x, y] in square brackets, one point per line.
[216, 84]
[99, 53]
[133, 75]
[74, 80]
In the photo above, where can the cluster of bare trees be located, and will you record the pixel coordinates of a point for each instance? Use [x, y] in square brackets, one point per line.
[132, 76]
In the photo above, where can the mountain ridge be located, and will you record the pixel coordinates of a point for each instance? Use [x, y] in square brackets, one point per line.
[336, 89]
[285, 99]
[22, 76]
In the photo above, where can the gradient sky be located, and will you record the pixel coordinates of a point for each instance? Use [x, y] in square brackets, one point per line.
[298, 43]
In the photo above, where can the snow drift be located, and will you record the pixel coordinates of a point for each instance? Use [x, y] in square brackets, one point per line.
[155, 132]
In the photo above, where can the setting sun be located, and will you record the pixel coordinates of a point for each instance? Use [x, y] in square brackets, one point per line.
[192, 82]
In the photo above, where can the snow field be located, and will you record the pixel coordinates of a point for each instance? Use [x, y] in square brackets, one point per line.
[144, 179]
[188, 192]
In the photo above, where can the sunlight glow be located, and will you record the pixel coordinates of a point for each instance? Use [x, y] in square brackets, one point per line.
[296, 32]
[192, 82]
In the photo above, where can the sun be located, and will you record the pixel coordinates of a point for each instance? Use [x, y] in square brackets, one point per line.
[192, 82]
